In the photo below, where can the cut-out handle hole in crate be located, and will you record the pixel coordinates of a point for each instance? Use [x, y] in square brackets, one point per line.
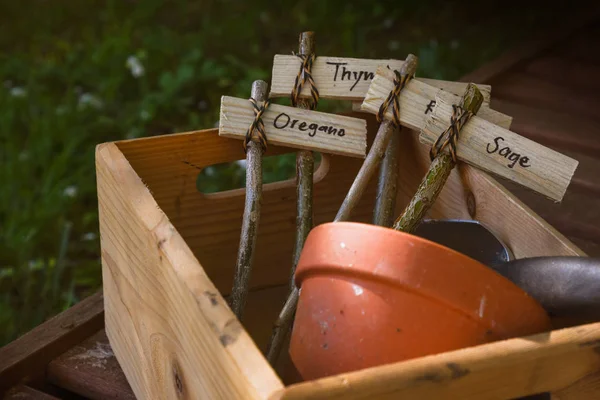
[279, 171]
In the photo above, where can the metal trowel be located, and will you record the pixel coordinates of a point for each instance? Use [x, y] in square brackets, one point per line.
[567, 287]
[467, 237]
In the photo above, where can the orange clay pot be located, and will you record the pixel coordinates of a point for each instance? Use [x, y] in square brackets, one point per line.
[372, 295]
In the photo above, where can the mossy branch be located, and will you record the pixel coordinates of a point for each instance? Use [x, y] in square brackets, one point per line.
[435, 179]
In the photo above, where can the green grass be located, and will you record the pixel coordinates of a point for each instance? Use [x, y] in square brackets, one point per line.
[65, 86]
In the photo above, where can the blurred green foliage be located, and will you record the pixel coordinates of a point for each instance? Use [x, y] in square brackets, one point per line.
[77, 73]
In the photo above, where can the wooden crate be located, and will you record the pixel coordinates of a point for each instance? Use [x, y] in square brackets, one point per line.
[168, 254]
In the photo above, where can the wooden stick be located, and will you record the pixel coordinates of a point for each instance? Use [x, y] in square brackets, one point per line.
[305, 165]
[387, 187]
[251, 219]
[282, 326]
[374, 157]
[436, 177]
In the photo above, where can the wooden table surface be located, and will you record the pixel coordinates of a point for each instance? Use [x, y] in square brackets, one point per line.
[549, 86]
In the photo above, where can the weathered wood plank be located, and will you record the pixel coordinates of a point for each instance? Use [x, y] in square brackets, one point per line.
[571, 25]
[545, 170]
[90, 369]
[545, 362]
[581, 75]
[29, 354]
[296, 127]
[343, 78]
[27, 393]
[168, 325]
[532, 91]
[553, 128]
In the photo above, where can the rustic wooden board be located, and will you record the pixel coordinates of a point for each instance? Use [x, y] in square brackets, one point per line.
[553, 128]
[169, 327]
[550, 176]
[541, 363]
[504, 153]
[90, 369]
[296, 127]
[531, 90]
[29, 354]
[551, 66]
[342, 78]
[27, 393]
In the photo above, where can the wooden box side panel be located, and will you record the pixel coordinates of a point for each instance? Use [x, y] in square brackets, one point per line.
[172, 332]
[210, 224]
[547, 362]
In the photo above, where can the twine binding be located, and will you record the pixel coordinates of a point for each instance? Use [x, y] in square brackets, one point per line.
[449, 137]
[304, 75]
[256, 131]
[400, 82]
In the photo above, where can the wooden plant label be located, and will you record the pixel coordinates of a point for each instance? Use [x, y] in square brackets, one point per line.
[344, 78]
[295, 127]
[482, 142]
[418, 99]
[497, 150]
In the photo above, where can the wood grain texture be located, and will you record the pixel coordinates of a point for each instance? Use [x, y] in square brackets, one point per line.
[417, 100]
[28, 355]
[168, 167]
[22, 392]
[90, 369]
[571, 25]
[530, 90]
[333, 80]
[170, 329]
[482, 143]
[331, 133]
[557, 129]
[507, 369]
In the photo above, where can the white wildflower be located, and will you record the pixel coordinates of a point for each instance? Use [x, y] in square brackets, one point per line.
[202, 105]
[393, 45]
[135, 66]
[24, 155]
[88, 100]
[18, 92]
[70, 191]
[88, 237]
[145, 115]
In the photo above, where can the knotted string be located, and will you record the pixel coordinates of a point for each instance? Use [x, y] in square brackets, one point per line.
[256, 131]
[303, 76]
[400, 82]
[459, 118]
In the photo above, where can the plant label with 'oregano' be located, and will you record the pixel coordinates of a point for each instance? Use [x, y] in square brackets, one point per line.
[295, 127]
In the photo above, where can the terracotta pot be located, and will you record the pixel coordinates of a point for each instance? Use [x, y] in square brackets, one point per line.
[372, 295]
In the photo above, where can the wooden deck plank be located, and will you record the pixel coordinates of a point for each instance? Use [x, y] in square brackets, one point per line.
[582, 47]
[22, 392]
[577, 217]
[91, 369]
[563, 71]
[29, 354]
[529, 90]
